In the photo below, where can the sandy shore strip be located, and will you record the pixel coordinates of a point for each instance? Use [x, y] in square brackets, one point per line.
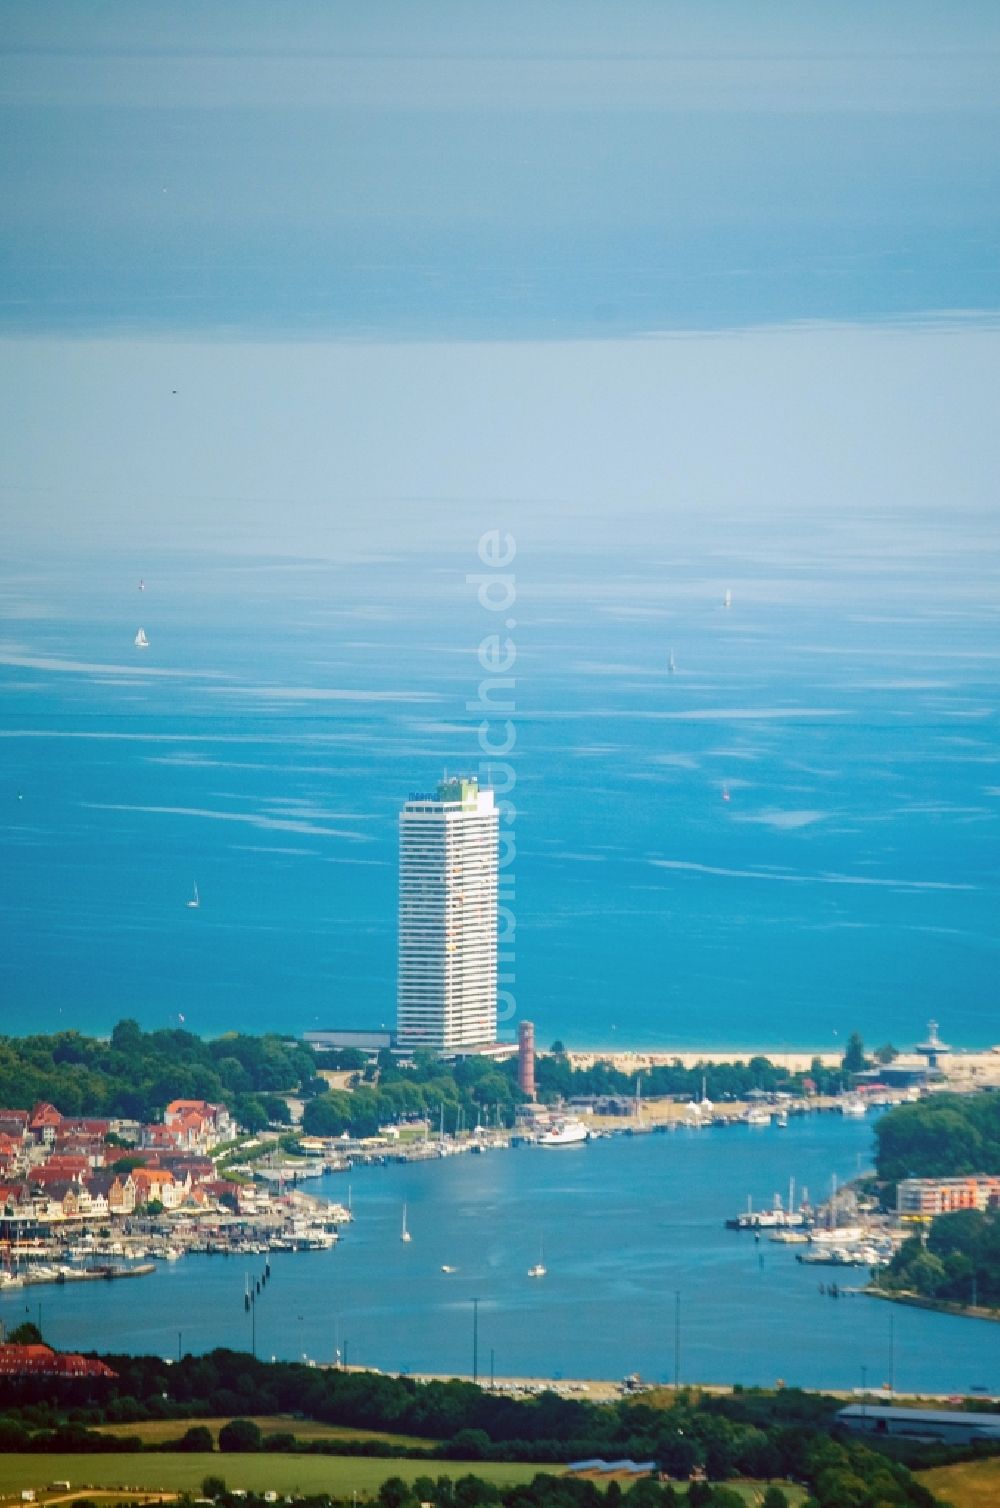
[629, 1061]
[971, 1069]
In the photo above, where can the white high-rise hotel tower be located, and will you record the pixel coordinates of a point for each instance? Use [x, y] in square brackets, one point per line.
[448, 848]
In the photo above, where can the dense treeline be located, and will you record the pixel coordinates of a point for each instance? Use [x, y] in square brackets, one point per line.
[960, 1261]
[386, 1093]
[477, 1088]
[136, 1073]
[786, 1434]
[941, 1137]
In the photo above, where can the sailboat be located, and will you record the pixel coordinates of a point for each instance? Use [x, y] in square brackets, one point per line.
[142, 585]
[446, 1267]
[539, 1269]
[195, 900]
[141, 642]
[671, 664]
[727, 600]
[404, 1234]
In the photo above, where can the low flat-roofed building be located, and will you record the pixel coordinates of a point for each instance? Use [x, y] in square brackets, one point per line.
[338, 1039]
[955, 1426]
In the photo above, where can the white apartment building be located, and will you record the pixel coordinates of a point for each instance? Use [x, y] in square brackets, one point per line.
[448, 848]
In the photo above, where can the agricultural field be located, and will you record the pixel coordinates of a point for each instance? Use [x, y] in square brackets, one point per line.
[970, 1484]
[153, 1431]
[338, 1475]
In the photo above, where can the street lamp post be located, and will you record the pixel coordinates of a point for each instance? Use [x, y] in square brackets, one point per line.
[475, 1340]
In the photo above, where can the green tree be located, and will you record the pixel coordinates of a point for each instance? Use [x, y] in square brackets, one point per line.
[328, 1114]
[939, 1138]
[196, 1440]
[774, 1498]
[854, 1056]
[25, 1335]
[470, 1445]
[276, 1109]
[239, 1435]
[250, 1113]
[213, 1487]
[394, 1493]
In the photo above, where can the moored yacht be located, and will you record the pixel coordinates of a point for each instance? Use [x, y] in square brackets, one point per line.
[564, 1134]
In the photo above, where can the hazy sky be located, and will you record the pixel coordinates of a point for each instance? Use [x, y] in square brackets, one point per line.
[402, 252]
[146, 444]
[506, 168]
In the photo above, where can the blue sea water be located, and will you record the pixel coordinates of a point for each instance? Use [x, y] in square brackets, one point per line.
[627, 1224]
[845, 704]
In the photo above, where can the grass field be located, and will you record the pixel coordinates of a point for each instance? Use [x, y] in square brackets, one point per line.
[152, 1431]
[339, 1475]
[970, 1484]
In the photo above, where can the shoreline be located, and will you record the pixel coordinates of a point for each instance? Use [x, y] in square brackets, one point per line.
[941, 1306]
[794, 1060]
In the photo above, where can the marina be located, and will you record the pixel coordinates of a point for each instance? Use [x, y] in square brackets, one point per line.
[627, 1225]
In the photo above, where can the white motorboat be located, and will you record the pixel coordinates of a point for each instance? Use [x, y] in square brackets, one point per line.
[564, 1134]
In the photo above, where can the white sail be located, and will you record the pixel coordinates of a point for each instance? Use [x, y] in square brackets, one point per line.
[141, 642]
[195, 900]
[405, 1234]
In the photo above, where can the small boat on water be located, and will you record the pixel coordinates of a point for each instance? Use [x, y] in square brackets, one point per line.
[140, 640]
[671, 664]
[852, 1104]
[446, 1268]
[195, 900]
[727, 600]
[538, 1269]
[404, 1235]
[564, 1134]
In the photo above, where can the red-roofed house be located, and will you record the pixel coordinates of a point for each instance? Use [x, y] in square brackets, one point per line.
[157, 1183]
[86, 1126]
[71, 1165]
[216, 1122]
[14, 1122]
[45, 1120]
[42, 1361]
[160, 1138]
[14, 1197]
